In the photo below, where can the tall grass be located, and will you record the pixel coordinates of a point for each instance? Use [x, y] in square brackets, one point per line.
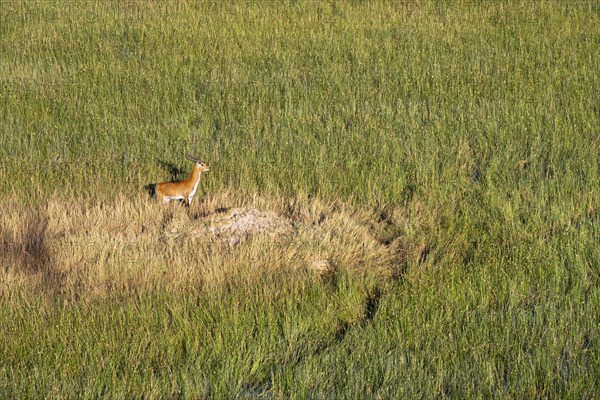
[363, 101]
[456, 143]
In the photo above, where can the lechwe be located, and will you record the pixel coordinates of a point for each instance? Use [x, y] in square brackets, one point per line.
[183, 190]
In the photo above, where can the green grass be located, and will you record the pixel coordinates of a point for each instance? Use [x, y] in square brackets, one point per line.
[461, 337]
[473, 130]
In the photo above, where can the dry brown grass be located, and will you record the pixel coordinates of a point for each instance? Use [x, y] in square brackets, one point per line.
[124, 245]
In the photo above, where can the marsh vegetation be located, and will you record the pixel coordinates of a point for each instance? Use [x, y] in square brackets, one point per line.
[428, 176]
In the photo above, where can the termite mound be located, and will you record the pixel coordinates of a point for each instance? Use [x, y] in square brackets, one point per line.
[236, 225]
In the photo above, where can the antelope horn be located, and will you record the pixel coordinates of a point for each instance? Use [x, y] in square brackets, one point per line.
[192, 158]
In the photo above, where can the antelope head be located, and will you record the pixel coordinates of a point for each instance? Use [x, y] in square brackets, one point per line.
[198, 163]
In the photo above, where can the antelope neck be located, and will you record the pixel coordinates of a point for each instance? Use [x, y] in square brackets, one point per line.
[194, 176]
[194, 180]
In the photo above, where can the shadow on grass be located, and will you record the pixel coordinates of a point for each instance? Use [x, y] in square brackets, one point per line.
[175, 172]
[27, 253]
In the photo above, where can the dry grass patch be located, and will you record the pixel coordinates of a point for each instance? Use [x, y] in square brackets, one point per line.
[117, 246]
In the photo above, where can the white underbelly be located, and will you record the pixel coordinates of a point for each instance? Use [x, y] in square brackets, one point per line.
[167, 199]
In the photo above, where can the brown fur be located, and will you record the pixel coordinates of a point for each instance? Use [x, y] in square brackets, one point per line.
[185, 189]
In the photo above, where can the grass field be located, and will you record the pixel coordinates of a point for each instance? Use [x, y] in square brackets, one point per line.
[438, 164]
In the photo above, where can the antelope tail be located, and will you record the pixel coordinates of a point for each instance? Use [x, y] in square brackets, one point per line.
[151, 189]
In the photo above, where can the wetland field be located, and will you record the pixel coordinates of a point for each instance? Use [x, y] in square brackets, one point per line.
[403, 199]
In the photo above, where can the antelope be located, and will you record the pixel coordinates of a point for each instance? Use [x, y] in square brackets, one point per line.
[183, 190]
